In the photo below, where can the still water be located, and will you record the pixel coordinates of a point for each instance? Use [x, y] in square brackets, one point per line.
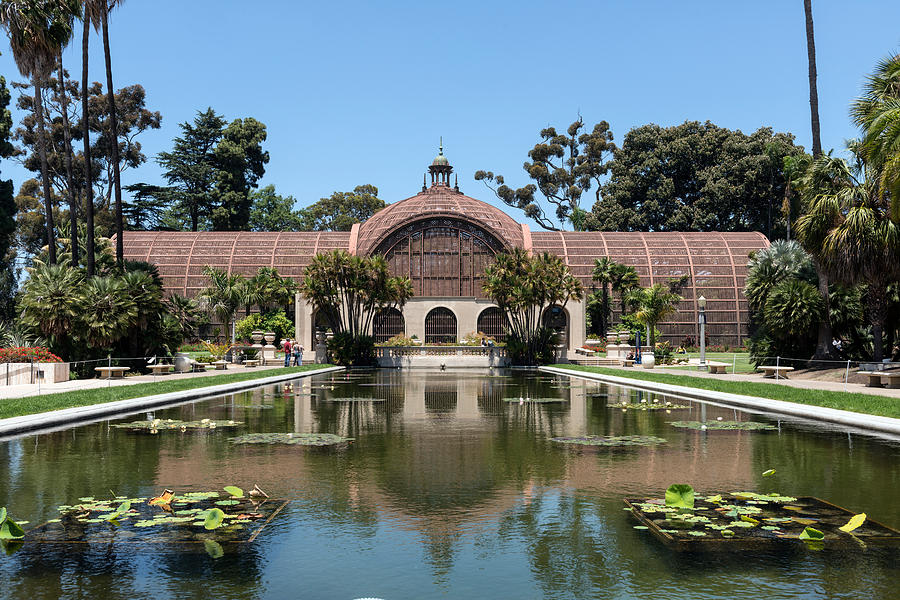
[448, 491]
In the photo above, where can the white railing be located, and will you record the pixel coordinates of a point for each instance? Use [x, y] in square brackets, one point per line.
[398, 351]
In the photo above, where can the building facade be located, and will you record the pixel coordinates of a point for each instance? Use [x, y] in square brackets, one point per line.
[443, 240]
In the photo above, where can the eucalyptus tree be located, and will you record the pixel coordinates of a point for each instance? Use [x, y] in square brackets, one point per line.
[849, 230]
[37, 29]
[524, 287]
[563, 166]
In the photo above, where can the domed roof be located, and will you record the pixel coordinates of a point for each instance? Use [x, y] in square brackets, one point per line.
[438, 201]
[440, 160]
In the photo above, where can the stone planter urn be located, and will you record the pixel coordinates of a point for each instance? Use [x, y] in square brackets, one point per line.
[257, 337]
[624, 336]
[612, 337]
[270, 337]
[648, 361]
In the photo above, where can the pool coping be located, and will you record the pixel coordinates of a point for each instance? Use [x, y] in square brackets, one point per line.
[804, 411]
[95, 412]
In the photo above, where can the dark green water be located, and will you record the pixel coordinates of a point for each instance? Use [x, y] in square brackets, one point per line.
[447, 492]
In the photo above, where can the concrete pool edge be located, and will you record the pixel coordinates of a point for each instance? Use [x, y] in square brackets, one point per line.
[93, 412]
[803, 411]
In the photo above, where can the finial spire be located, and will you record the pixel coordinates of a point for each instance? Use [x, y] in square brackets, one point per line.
[423, 182]
[455, 182]
[441, 146]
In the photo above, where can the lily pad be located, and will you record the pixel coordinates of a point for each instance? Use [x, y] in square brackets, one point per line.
[234, 490]
[611, 441]
[291, 439]
[680, 495]
[854, 523]
[724, 425]
[214, 518]
[811, 534]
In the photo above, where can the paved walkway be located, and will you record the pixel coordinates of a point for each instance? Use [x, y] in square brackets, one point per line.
[806, 384]
[33, 389]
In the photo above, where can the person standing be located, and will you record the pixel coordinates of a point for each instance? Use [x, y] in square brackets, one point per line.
[298, 354]
[287, 352]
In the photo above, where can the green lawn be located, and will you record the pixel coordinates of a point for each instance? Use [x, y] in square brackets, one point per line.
[740, 361]
[863, 403]
[15, 407]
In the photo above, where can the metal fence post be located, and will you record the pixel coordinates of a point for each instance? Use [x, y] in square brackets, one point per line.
[777, 365]
[846, 375]
[734, 363]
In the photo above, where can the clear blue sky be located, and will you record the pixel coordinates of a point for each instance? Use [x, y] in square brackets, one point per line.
[359, 92]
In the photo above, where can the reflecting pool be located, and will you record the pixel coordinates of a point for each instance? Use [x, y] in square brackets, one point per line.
[449, 490]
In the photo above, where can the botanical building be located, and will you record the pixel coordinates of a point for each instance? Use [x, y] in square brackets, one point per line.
[443, 240]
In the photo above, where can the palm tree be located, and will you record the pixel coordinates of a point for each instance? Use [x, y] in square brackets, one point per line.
[877, 112]
[813, 92]
[624, 279]
[112, 311]
[37, 29]
[91, 17]
[184, 311]
[652, 305]
[105, 7]
[223, 296]
[51, 302]
[603, 273]
[848, 228]
[770, 266]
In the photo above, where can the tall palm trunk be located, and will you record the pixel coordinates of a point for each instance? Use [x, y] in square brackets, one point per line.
[45, 169]
[824, 336]
[114, 140]
[70, 180]
[813, 93]
[86, 134]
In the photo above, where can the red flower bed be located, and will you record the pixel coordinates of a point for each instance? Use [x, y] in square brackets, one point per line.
[24, 355]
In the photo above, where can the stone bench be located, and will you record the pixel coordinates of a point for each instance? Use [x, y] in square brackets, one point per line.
[160, 369]
[220, 365]
[875, 377]
[627, 362]
[717, 368]
[585, 352]
[198, 367]
[251, 363]
[775, 372]
[893, 380]
[112, 372]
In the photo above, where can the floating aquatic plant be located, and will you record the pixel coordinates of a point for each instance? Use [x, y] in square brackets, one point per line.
[647, 406]
[156, 425]
[680, 495]
[234, 490]
[9, 529]
[854, 523]
[724, 425]
[352, 399]
[292, 439]
[535, 400]
[601, 440]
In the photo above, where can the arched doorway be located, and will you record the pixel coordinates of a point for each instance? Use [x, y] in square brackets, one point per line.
[557, 319]
[388, 322]
[491, 323]
[440, 326]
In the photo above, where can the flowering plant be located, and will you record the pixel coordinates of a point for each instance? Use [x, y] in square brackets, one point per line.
[24, 355]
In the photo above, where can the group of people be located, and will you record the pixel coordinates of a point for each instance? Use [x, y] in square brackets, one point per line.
[293, 351]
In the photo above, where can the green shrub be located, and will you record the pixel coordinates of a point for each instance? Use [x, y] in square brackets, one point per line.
[537, 351]
[399, 340]
[352, 351]
[274, 321]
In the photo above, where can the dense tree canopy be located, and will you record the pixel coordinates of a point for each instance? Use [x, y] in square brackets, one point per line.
[7, 212]
[695, 177]
[341, 210]
[270, 211]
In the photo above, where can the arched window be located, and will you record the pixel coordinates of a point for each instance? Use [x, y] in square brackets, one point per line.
[388, 323]
[491, 323]
[557, 319]
[442, 257]
[440, 326]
